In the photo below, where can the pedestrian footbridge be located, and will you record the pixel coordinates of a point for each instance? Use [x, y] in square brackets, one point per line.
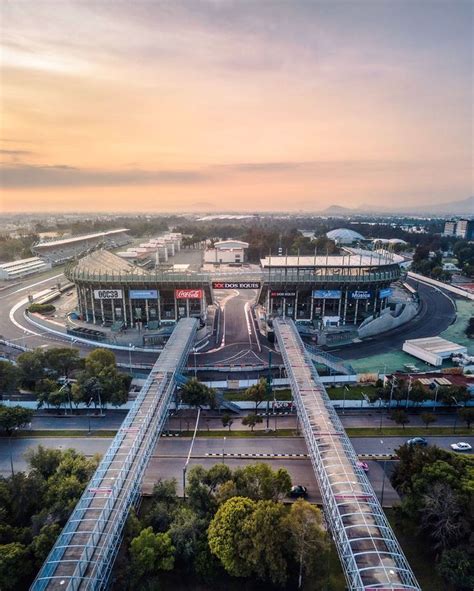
[369, 552]
[83, 555]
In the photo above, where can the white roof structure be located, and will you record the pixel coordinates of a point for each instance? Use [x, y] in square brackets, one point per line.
[16, 269]
[354, 258]
[74, 239]
[344, 236]
[231, 244]
[432, 350]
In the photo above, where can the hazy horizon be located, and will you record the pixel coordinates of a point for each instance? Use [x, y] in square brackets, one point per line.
[234, 106]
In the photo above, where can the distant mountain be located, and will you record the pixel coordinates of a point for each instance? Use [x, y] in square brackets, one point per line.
[338, 210]
[462, 207]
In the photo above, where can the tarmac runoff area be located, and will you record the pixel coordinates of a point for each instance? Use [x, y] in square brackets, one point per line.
[170, 455]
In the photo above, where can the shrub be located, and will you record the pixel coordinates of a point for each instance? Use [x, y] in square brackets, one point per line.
[41, 308]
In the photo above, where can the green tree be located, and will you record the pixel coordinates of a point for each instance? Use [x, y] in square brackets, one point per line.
[44, 541]
[225, 535]
[227, 421]
[308, 540]
[251, 420]
[186, 531]
[14, 566]
[31, 367]
[260, 482]
[164, 502]
[466, 415]
[9, 377]
[61, 361]
[267, 553]
[14, 417]
[204, 486]
[457, 569]
[150, 553]
[400, 417]
[194, 393]
[44, 460]
[428, 418]
[257, 393]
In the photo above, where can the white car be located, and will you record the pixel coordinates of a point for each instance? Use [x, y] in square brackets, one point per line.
[461, 446]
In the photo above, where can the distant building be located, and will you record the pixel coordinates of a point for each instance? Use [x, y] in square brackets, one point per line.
[465, 229]
[462, 228]
[449, 228]
[344, 236]
[226, 251]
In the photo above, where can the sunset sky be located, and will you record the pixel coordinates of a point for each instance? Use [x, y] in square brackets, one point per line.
[138, 105]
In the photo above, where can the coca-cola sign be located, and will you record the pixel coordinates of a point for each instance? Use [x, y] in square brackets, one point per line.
[188, 294]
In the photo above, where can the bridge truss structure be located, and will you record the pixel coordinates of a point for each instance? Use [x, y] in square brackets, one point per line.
[370, 554]
[84, 553]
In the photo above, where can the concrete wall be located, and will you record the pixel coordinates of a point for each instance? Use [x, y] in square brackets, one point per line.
[388, 320]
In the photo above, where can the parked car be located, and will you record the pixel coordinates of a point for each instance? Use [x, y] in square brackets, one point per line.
[298, 491]
[461, 446]
[363, 465]
[417, 441]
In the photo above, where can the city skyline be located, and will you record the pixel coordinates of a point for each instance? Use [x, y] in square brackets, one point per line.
[224, 106]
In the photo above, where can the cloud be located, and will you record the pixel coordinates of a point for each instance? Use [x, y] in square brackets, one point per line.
[26, 176]
[15, 153]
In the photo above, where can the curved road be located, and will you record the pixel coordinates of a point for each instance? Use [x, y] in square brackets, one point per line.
[238, 342]
[436, 314]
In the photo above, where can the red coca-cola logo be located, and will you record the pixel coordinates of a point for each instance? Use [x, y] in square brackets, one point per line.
[188, 294]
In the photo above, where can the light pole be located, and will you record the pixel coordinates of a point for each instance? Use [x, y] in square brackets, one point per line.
[346, 389]
[381, 414]
[410, 379]
[455, 414]
[130, 357]
[383, 480]
[223, 451]
[195, 368]
[436, 397]
[11, 451]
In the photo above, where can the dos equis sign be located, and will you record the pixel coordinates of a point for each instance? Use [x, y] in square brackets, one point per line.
[188, 294]
[235, 285]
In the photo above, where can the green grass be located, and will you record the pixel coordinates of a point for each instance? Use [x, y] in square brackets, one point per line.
[334, 393]
[239, 395]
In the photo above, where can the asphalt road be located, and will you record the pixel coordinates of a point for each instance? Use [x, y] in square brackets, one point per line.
[436, 314]
[234, 345]
[170, 454]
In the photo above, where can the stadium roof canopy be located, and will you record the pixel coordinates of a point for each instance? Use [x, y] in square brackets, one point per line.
[344, 236]
[102, 261]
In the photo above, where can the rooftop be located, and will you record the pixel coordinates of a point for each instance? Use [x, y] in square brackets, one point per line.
[102, 261]
[73, 239]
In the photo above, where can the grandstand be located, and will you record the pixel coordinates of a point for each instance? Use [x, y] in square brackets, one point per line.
[23, 267]
[62, 250]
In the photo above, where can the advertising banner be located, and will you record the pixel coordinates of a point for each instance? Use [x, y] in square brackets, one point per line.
[108, 294]
[188, 294]
[327, 294]
[360, 295]
[143, 294]
[283, 294]
[385, 293]
[236, 285]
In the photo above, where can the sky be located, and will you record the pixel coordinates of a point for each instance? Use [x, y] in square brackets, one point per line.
[223, 105]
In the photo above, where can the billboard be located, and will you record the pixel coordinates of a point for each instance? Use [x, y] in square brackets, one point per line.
[283, 294]
[188, 294]
[108, 294]
[236, 285]
[385, 293]
[360, 294]
[143, 294]
[327, 294]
